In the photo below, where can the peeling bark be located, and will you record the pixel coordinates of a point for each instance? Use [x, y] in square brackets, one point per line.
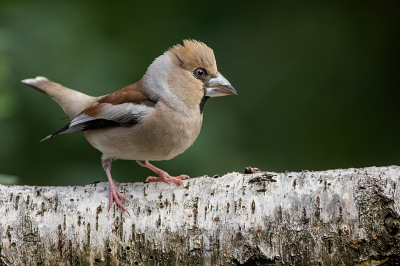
[335, 217]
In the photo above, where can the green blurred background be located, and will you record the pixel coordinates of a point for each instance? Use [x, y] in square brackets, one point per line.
[318, 83]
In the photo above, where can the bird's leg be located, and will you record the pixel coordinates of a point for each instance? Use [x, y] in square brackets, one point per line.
[114, 194]
[163, 176]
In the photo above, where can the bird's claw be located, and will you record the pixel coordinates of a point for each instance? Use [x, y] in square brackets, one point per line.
[115, 196]
[165, 177]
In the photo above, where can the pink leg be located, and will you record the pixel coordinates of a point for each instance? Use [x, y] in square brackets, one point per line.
[163, 176]
[114, 194]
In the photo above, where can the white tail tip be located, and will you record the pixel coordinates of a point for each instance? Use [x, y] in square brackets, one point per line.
[35, 80]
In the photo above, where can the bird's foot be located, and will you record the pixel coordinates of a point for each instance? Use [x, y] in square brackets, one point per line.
[165, 177]
[115, 196]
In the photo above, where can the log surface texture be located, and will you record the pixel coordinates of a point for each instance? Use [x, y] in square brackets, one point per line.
[334, 217]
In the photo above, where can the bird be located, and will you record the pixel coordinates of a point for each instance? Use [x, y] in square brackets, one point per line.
[154, 119]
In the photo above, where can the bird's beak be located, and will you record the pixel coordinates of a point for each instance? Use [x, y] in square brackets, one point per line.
[219, 86]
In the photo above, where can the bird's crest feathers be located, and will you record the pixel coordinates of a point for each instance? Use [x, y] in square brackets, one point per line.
[193, 54]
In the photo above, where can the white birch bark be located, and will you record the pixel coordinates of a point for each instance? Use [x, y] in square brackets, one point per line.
[335, 217]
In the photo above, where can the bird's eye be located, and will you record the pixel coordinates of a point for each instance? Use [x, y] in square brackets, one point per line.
[200, 72]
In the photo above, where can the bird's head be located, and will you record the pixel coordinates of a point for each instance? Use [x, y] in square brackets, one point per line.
[186, 75]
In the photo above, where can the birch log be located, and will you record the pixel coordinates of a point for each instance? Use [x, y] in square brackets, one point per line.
[335, 217]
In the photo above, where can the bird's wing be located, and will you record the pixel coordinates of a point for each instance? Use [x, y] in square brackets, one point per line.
[125, 107]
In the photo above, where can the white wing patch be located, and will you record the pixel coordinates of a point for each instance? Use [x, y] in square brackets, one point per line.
[109, 116]
[124, 112]
[81, 119]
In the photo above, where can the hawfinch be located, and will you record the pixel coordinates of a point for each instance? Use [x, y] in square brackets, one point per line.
[154, 119]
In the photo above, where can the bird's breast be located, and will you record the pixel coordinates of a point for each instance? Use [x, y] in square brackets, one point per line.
[161, 135]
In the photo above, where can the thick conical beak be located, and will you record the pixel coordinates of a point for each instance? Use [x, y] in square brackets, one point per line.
[219, 86]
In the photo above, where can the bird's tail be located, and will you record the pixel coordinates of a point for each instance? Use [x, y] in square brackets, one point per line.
[73, 102]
